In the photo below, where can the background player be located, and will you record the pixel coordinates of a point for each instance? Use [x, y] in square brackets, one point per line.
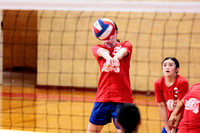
[114, 87]
[169, 90]
[190, 104]
[128, 118]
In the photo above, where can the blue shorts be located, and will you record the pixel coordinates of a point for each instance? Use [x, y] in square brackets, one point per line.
[163, 130]
[103, 113]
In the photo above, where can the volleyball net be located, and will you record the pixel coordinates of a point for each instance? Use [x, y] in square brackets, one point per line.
[49, 44]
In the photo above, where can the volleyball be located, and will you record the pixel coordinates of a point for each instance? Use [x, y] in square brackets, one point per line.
[103, 28]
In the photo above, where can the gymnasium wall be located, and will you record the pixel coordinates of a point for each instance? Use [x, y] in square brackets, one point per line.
[65, 39]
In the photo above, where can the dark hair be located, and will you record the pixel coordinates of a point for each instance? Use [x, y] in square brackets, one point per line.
[173, 59]
[128, 116]
[116, 28]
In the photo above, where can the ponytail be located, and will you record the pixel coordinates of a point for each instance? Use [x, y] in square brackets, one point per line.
[116, 28]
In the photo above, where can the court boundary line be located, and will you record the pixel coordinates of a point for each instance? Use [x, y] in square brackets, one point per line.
[66, 97]
[86, 89]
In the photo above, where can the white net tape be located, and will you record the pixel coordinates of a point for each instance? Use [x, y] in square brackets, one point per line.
[92, 5]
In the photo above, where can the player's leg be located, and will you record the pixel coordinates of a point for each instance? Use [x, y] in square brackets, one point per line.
[119, 131]
[94, 128]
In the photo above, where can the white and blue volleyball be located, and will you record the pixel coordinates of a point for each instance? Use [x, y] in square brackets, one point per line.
[103, 28]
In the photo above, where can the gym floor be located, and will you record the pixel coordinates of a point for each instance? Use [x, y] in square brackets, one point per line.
[26, 108]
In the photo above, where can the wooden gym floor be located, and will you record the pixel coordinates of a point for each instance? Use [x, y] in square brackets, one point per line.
[26, 108]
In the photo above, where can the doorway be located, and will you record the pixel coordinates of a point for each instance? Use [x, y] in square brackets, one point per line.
[19, 47]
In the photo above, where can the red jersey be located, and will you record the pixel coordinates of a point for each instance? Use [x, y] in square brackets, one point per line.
[191, 116]
[114, 85]
[169, 95]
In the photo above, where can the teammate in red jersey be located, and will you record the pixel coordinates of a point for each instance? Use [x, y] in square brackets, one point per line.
[169, 90]
[114, 86]
[190, 106]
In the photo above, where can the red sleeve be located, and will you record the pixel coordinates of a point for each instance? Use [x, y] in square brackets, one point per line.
[94, 51]
[158, 91]
[184, 87]
[128, 46]
[191, 90]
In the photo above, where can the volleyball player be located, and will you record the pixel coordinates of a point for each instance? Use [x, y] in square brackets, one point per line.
[190, 107]
[114, 87]
[169, 90]
[128, 118]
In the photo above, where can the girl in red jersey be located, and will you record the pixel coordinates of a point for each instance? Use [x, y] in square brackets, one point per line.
[190, 106]
[114, 87]
[169, 90]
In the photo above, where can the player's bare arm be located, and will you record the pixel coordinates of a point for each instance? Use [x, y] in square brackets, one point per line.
[164, 117]
[106, 55]
[121, 53]
[175, 116]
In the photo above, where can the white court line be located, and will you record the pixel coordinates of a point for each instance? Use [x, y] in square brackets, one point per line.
[123, 6]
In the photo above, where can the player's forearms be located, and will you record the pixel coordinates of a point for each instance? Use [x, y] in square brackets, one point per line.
[177, 120]
[103, 53]
[179, 108]
[165, 122]
[164, 116]
[121, 53]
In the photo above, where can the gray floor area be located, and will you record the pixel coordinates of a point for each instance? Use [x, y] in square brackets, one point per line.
[26, 79]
